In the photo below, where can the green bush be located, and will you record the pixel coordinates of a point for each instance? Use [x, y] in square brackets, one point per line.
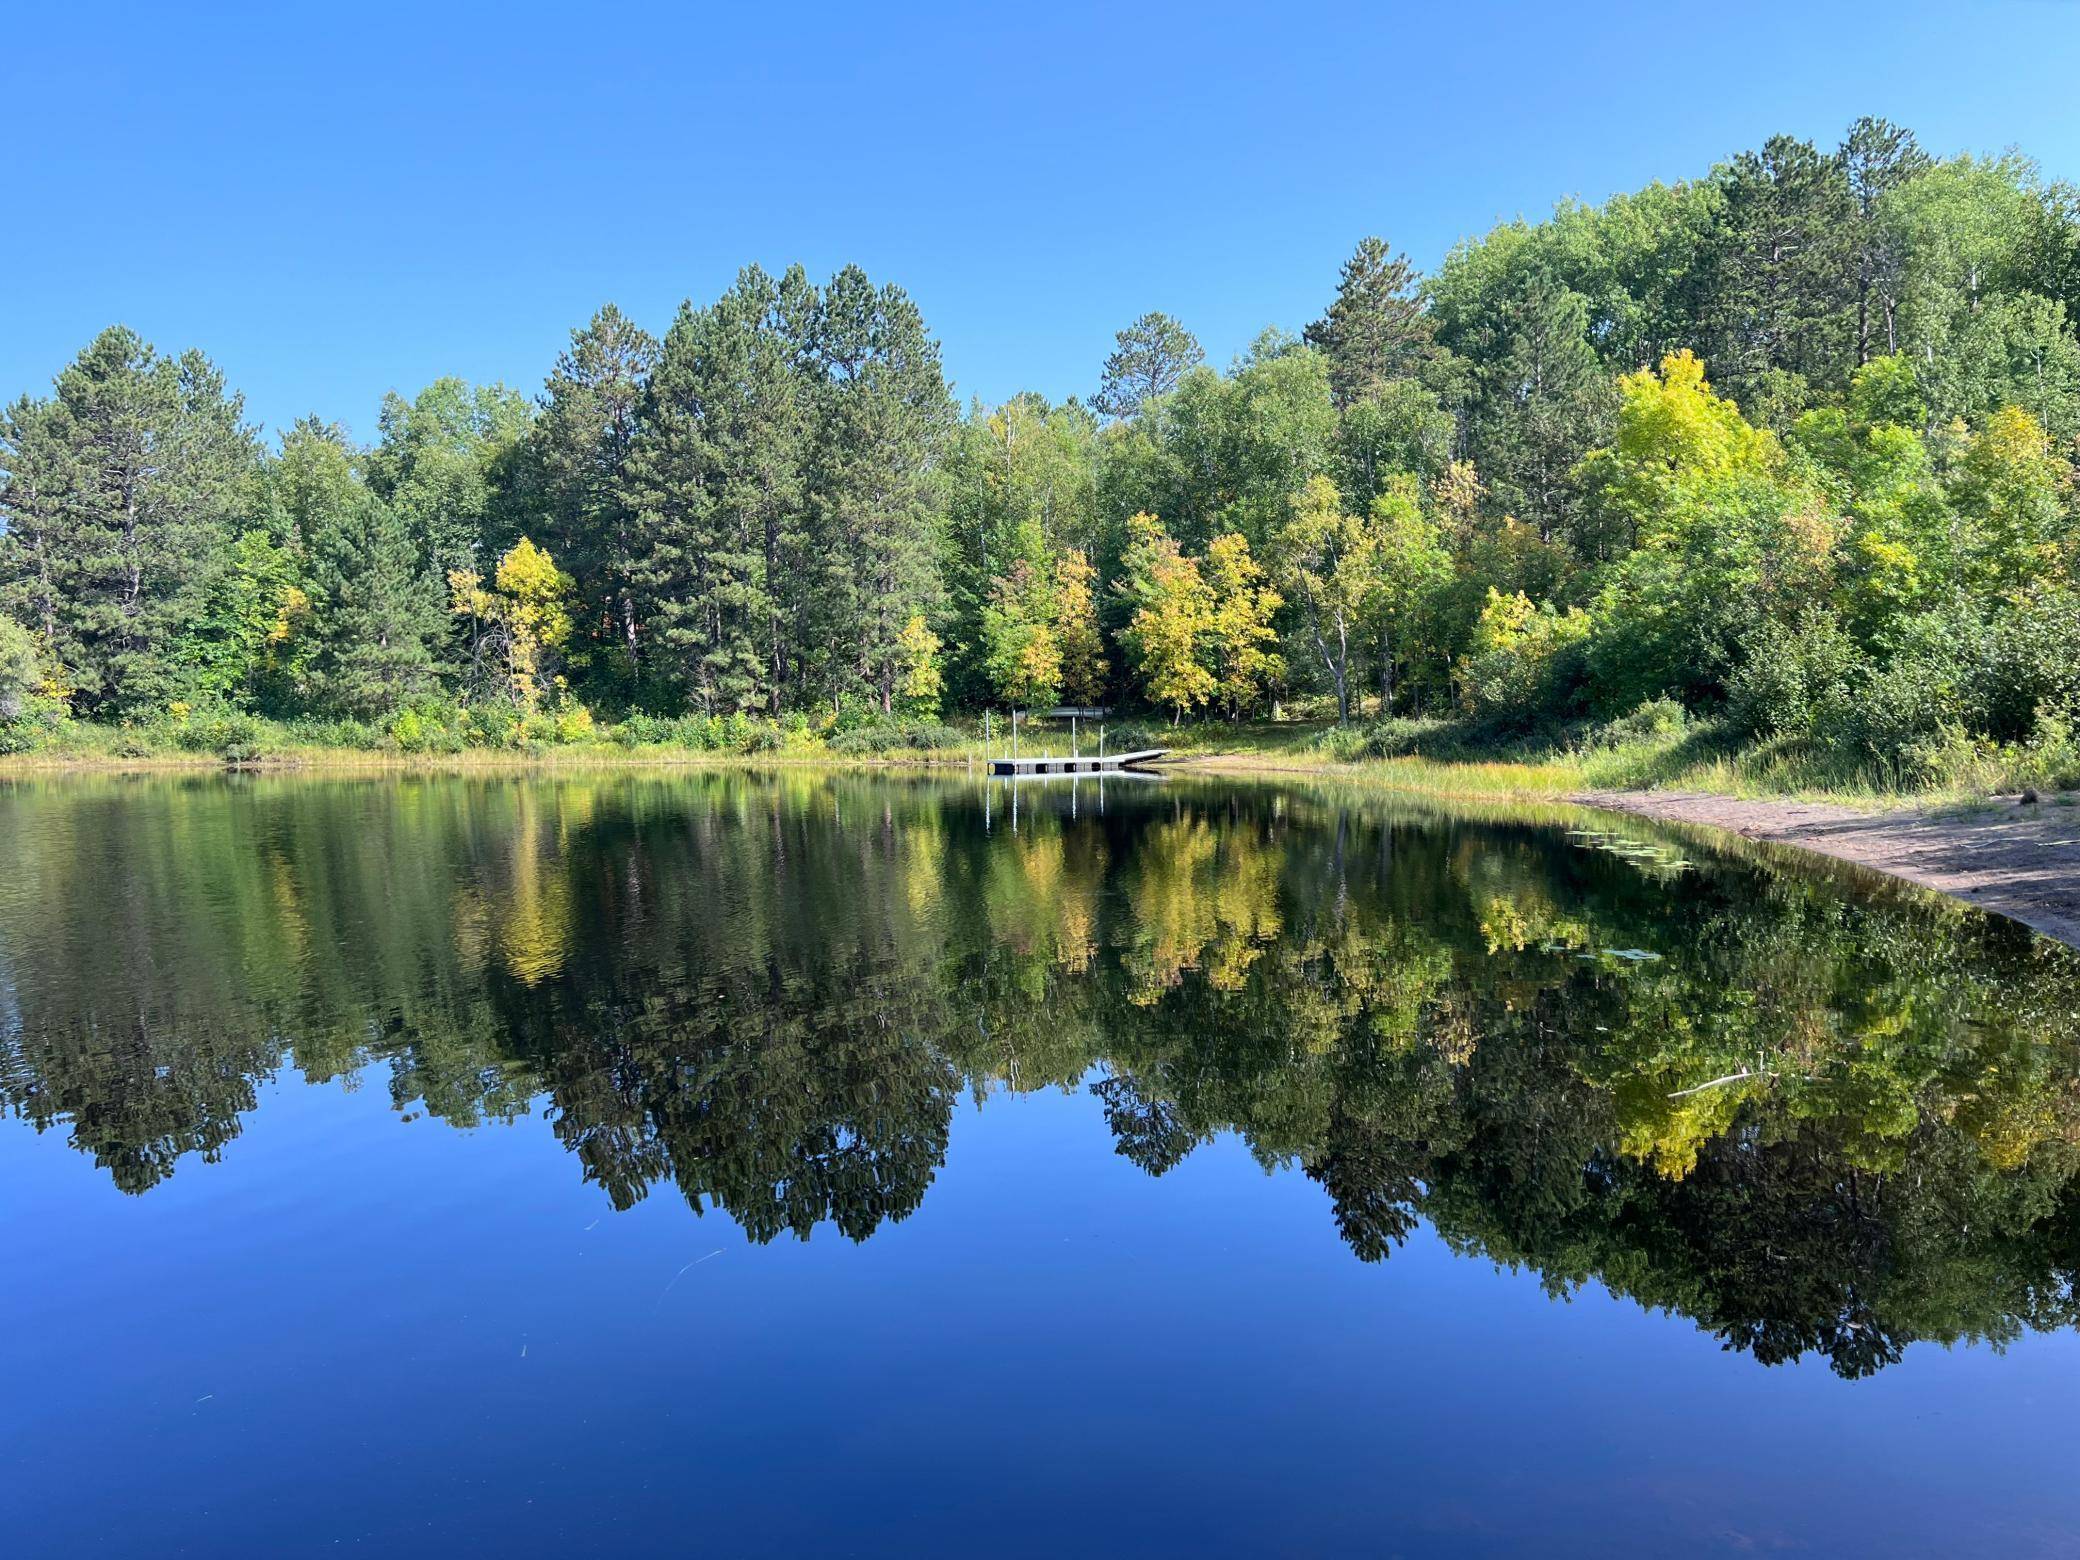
[1655, 721]
[2027, 664]
[30, 731]
[409, 731]
[1395, 737]
[895, 736]
[232, 734]
[1131, 737]
[1789, 671]
[492, 724]
[336, 733]
[1345, 744]
[2052, 758]
[1528, 662]
[1918, 702]
[574, 724]
[640, 730]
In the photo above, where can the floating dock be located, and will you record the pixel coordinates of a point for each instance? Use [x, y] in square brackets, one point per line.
[1063, 764]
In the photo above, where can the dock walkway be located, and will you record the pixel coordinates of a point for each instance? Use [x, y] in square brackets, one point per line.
[1063, 764]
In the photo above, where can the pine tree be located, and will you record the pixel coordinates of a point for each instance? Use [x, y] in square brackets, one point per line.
[376, 619]
[882, 415]
[576, 455]
[119, 493]
[1149, 359]
[1545, 403]
[714, 481]
[1781, 276]
[1877, 158]
[1375, 330]
[36, 565]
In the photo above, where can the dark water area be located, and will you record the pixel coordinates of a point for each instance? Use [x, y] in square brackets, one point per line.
[823, 1164]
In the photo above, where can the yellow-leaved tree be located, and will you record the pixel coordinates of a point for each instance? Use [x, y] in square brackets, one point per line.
[1076, 636]
[917, 650]
[1243, 604]
[518, 625]
[1329, 564]
[1171, 631]
[1021, 650]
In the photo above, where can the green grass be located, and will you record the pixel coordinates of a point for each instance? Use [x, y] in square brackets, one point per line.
[1432, 758]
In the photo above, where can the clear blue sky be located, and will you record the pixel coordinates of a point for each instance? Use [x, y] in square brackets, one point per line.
[337, 202]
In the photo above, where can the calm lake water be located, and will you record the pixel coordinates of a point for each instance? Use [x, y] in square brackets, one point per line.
[819, 1164]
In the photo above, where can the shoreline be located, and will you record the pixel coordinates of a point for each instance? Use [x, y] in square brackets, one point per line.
[2015, 859]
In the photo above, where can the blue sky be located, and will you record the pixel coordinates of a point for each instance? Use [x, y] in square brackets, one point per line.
[334, 203]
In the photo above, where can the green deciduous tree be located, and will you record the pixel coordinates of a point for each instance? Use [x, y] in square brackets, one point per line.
[444, 464]
[1020, 482]
[1329, 567]
[21, 669]
[1413, 567]
[1022, 651]
[247, 642]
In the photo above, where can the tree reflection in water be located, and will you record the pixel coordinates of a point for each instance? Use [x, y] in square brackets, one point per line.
[1811, 1118]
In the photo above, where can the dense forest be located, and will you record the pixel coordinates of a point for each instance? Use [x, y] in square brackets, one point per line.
[1789, 448]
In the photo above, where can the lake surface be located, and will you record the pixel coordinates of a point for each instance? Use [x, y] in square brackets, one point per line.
[823, 1164]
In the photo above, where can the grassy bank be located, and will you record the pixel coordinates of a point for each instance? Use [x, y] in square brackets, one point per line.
[1656, 749]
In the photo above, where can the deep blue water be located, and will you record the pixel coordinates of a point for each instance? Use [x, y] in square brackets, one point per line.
[461, 1166]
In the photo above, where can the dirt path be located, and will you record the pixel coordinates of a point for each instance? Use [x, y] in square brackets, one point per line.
[2021, 860]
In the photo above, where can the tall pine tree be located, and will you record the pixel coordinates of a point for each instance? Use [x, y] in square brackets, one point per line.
[883, 415]
[376, 616]
[118, 494]
[1375, 330]
[575, 460]
[1780, 282]
[714, 484]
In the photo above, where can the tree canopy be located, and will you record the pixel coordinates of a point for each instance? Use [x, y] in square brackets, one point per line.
[1792, 444]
